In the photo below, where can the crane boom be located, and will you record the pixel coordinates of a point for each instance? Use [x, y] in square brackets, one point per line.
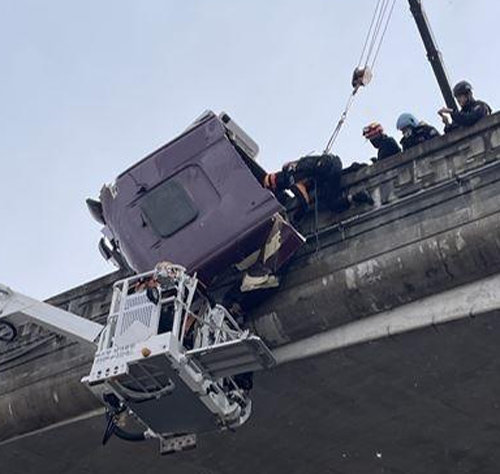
[433, 53]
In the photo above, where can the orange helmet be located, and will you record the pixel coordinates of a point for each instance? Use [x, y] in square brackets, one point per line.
[373, 130]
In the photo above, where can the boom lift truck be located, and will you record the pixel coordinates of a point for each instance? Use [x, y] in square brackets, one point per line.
[166, 356]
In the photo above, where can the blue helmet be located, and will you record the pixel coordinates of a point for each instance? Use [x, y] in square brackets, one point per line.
[406, 120]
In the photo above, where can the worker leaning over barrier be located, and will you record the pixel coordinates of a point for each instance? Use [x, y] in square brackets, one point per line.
[301, 176]
[310, 176]
[414, 132]
[471, 110]
[385, 144]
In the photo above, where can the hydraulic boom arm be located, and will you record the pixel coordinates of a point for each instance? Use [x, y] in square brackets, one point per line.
[16, 308]
[433, 54]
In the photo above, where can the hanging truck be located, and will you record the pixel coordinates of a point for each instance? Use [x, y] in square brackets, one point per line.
[199, 202]
[165, 361]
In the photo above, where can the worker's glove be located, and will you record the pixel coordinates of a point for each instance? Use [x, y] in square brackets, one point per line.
[444, 113]
[278, 181]
[445, 110]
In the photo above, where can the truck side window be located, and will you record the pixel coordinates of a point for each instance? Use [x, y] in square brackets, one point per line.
[168, 208]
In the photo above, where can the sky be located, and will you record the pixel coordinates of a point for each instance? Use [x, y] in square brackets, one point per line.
[90, 87]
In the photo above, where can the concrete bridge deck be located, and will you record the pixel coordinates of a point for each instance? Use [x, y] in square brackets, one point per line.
[420, 401]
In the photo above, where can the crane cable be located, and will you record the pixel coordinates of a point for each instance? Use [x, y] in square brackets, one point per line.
[369, 54]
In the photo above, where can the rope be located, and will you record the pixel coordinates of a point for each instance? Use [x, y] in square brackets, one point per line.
[316, 216]
[340, 123]
[369, 54]
[376, 31]
[389, 16]
[367, 39]
[381, 19]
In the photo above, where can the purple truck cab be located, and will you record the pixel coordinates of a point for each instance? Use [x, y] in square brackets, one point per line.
[196, 201]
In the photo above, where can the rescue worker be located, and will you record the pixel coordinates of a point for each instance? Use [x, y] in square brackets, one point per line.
[302, 177]
[471, 110]
[306, 178]
[315, 183]
[414, 132]
[310, 176]
[385, 145]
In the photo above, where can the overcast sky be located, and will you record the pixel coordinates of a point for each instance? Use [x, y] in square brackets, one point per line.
[89, 87]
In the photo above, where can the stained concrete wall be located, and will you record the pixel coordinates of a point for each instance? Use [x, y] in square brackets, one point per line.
[434, 226]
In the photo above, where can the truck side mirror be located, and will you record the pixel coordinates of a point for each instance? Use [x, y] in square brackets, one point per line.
[95, 209]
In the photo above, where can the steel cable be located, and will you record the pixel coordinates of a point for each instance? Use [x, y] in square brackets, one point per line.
[371, 49]
[368, 35]
[389, 16]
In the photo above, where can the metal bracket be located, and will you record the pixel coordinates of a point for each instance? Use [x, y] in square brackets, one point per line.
[176, 444]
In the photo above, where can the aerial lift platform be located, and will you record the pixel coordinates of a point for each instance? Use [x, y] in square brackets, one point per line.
[165, 359]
